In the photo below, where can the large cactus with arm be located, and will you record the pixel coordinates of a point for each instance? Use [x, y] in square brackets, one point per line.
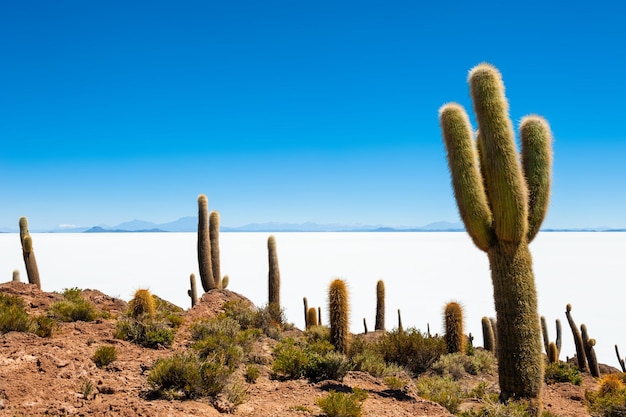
[30, 262]
[502, 199]
[204, 245]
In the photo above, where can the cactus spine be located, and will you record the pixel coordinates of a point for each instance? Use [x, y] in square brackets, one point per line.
[489, 342]
[311, 319]
[193, 291]
[204, 245]
[338, 309]
[581, 357]
[453, 319]
[590, 352]
[502, 203]
[214, 237]
[142, 304]
[380, 306]
[274, 273]
[30, 262]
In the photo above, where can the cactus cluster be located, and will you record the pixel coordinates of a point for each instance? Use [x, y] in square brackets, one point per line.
[209, 247]
[502, 198]
[581, 357]
[30, 262]
[553, 349]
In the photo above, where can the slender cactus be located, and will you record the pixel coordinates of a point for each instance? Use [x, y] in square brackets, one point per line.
[338, 309]
[502, 203]
[380, 306]
[546, 338]
[590, 353]
[204, 245]
[214, 237]
[30, 262]
[581, 357]
[400, 328]
[306, 312]
[488, 337]
[622, 364]
[319, 316]
[364, 326]
[193, 291]
[274, 272]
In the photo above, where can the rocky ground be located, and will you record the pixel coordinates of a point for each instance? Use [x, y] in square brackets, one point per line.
[53, 376]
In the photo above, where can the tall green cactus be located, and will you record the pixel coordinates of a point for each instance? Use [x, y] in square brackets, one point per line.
[400, 328]
[453, 321]
[338, 310]
[214, 237]
[311, 319]
[380, 306]
[204, 245]
[30, 262]
[581, 357]
[274, 272]
[503, 202]
[306, 312]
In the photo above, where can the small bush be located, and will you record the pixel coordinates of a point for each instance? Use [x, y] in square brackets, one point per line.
[44, 326]
[291, 360]
[104, 355]
[610, 398]
[443, 390]
[339, 404]
[252, 374]
[74, 307]
[411, 349]
[235, 392]
[241, 312]
[458, 365]
[496, 409]
[13, 315]
[562, 372]
[332, 365]
[394, 382]
[178, 373]
[148, 334]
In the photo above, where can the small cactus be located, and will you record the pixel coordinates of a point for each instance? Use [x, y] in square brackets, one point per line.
[400, 328]
[319, 316]
[214, 237]
[581, 357]
[225, 282]
[546, 338]
[553, 353]
[193, 291]
[364, 326]
[16, 276]
[142, 304]
[204, 245]
[380, 306]
[338, 309]
[454, 337]
[311, 319]
[30, 262]
[489, 342]
[306, 312]
[274, 272]
[622, 364]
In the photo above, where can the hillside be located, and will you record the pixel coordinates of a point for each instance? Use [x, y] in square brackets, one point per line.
[57, 376]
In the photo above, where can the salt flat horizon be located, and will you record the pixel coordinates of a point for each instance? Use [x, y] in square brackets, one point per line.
[422, 271]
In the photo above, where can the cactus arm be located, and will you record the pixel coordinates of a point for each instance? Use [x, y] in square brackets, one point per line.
[506, 188]
[214, 236]
[537, 163]
[578, 340]
[544, 332]
[467, 182]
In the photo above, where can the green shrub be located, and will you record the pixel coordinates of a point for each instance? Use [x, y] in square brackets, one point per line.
[241, 312]
[411, 349]
[394, 382]
[178, 373]
[367, 357]
[458, 364]
[610, 398]
[332, 365]
[214, 375]
[73, 307]
[13, 315]
[104, 355]
[562, 372]
[443, 390]
[339, 404]
[236, 392]
[44, 326]
[291, 360]
[252, 374]
[148, 334]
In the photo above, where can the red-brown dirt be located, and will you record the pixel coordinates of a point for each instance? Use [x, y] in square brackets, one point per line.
[47, 376]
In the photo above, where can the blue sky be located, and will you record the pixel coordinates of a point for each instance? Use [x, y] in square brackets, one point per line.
[293, 111]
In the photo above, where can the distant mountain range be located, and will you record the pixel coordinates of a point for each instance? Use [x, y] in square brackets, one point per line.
[190, 224]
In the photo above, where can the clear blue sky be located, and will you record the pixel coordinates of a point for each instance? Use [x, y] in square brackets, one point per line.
[293, 111]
